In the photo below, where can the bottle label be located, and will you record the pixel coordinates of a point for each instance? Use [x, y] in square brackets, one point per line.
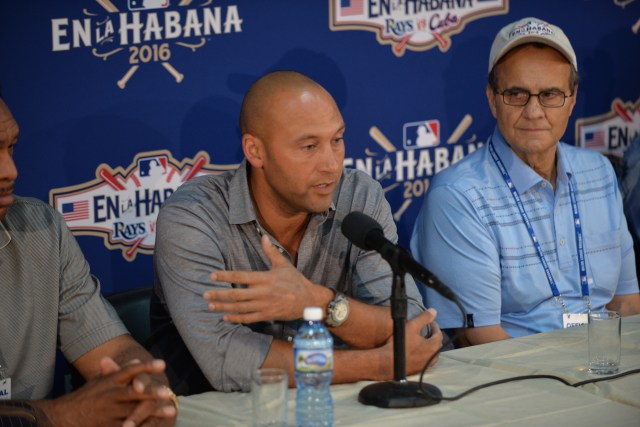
[314, 360]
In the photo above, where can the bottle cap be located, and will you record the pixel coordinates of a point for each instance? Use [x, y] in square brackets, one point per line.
[312, 313]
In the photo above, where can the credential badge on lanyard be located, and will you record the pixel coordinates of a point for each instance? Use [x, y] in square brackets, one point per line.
[5, 384]
[569, 320]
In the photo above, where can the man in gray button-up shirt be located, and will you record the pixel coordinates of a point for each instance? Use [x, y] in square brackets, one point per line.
[49, 301]
[264, 241]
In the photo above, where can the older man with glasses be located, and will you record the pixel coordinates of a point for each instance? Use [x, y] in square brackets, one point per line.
[528, 231]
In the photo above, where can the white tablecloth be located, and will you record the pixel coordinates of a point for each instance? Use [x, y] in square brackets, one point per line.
[523, 403]
[562, 353]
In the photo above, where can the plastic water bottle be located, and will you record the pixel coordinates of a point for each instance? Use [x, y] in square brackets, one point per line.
[313, 352]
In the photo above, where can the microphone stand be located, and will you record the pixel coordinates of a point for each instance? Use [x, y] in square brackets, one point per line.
[398, 393]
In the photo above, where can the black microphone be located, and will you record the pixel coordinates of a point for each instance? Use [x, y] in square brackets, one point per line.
[366, 233]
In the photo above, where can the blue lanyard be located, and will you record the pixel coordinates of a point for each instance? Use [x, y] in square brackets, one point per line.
[584, 284]
[578, 229]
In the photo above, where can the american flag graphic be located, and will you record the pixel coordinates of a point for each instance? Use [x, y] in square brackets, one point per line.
[351, 7]
[75, 211]
[594, 139]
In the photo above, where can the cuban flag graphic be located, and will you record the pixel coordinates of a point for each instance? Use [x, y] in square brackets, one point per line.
[148, 4]
[75, 211]
[351, 7]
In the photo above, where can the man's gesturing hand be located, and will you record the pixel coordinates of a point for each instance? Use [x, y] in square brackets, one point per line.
[278, 294]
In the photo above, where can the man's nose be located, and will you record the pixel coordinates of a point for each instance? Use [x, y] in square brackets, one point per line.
[331, 158]
[8, 170]
[533, 109]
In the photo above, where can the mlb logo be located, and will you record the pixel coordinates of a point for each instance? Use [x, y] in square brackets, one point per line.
[421, 134]
[152, 167]
[148, 4]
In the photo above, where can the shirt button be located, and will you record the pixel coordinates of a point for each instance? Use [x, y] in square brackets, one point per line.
[543, 185]
[561, 242]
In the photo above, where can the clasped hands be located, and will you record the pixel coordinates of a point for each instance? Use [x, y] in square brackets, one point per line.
[129, 393]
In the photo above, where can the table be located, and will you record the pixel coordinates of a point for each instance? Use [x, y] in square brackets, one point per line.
[522, 403]
[567, 349]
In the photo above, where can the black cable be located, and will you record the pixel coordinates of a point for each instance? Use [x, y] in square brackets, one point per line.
[503, 381]
[610, 377]
[455, 337]
[512, 379]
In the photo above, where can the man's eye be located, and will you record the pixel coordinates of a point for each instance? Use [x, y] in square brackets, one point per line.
[550, 94]
[517, 94]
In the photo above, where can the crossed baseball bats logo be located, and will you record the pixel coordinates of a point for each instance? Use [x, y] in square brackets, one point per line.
[376, 134]
[122, 83]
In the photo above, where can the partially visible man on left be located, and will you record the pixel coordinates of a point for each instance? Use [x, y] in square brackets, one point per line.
[50, 300]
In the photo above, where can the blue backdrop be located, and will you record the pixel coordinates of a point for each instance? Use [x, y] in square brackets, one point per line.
[107, 93]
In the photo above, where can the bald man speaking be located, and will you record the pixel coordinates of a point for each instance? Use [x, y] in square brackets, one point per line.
[239, 255]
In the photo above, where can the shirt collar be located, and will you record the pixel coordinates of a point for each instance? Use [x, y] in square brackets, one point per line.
[5, 237]
[522, 175]
[564, 171]
[241, 209]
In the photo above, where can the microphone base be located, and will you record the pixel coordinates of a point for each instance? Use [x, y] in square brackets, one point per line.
[396, 394]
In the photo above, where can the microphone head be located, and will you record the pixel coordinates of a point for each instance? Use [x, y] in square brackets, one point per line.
[357, 226]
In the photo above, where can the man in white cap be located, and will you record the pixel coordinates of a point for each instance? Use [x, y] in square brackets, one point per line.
[534, 227]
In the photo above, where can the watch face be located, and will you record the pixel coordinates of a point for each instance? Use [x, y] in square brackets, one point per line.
[341, 311]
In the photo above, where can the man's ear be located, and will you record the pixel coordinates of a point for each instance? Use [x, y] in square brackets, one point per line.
[253, 149]
[572, 100]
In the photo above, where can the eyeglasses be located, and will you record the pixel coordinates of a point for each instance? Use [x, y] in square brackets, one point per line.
[548, 98]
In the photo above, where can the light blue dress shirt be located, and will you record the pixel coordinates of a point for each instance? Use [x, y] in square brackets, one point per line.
[471, 235]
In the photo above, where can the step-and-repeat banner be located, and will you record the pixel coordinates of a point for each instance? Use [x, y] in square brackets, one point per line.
[121, 101]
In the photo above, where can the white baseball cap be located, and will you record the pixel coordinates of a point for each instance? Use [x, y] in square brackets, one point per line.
[530, 30]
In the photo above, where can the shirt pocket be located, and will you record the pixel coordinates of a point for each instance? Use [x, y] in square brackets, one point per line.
[604, 256]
